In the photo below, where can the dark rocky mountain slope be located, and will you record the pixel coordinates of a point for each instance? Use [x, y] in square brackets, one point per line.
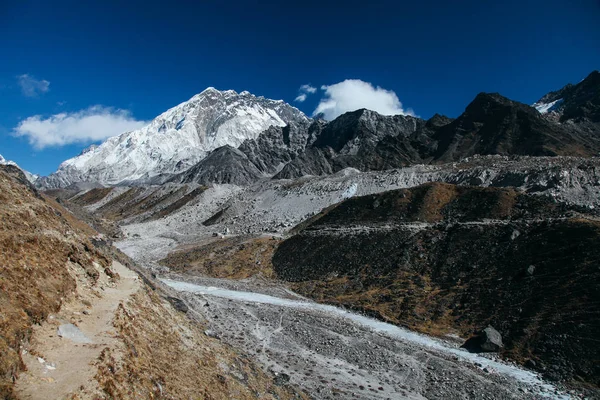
[493, 124]
[223, 165]
[490, 125]
[578, 102]
[362, 139]
[441, 258]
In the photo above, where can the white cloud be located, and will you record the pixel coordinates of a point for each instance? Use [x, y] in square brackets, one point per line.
[308, 89]
[32, 87]
[354, 94]
[86, 126]
[304, 91]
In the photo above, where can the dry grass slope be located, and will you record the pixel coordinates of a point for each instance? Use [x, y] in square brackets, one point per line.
[36, 242]
[167, 356]
[49, 266]
[236, 257]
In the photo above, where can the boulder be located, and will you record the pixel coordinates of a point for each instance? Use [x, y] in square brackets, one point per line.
[211, 334]
[281, 379]
[178, 304]
[488, 340]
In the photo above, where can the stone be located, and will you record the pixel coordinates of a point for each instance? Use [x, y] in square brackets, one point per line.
[71, 332]
[178, 304]
[488, 340]
[281, 379]
[531, 364]
[211, 334]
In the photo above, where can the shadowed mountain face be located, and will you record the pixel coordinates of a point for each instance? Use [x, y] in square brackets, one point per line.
[493, 124]
[442, 258]
[353, 131]
[577, 102]
[224, 165]
[362, 139]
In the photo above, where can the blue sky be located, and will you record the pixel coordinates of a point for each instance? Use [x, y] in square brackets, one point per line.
[133, 60]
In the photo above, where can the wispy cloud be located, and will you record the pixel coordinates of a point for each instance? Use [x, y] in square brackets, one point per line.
[83, 127]
[354, 94]
[308, 89]
[32, 87]
[304, 91]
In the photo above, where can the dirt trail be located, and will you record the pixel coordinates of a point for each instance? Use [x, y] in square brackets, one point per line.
[59, 367]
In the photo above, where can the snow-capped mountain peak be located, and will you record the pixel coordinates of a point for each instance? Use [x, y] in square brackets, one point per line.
[30, 177]
[573, 101]
[177, 139]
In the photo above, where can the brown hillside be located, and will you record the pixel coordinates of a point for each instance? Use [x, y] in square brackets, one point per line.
[36, 243]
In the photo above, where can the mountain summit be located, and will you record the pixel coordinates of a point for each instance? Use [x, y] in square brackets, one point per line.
[177, 139]
[30, 177]
[578, 102]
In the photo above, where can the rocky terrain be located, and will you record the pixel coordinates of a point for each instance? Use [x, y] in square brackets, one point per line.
[78, 322]
[275, 206]
[488, 208]
[447, 259]
[332, 353]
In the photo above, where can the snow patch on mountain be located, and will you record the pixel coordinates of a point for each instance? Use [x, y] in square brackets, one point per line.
[545, 108]
[177, 139]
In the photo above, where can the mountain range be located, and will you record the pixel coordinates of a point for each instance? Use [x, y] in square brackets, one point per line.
[238, 138]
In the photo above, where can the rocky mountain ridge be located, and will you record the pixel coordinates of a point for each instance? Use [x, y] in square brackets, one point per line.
[32, 178]
[573, 102]
[274, 139]
[491, 124]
